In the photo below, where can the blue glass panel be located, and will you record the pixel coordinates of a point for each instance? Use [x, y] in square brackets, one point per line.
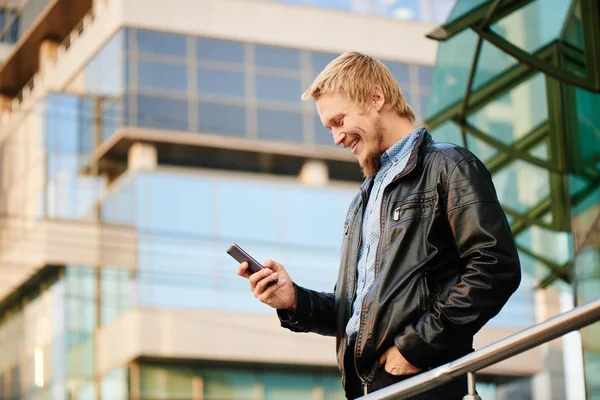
[521, 185]
[224, 83]
[425, 75]
[440, 10]
[162, 113]
[322, 134]
[105, 72]
[492, 62]
[448, 132]
[405, 10]
[399, 72]
[219, 118]
[451, 73]
[545, 20]
[300, 227]
[463, 7]
[249, 220]
[161, 43]
[112, 117]
[158, 75]
[277, 57]
[280, 125]
[319, 61]
[278, 89]
[194, 196]
[220, 50]
[588, 124]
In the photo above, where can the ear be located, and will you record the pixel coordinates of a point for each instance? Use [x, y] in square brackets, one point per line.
[378, 98]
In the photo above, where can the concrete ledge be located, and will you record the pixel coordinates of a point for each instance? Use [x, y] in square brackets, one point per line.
[238, 337]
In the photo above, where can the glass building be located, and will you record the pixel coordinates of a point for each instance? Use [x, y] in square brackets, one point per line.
[146, 137]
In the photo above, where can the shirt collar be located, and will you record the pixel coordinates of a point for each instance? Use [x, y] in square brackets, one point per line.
[394, 154]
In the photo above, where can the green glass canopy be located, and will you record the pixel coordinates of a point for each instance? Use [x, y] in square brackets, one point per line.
[517, 82]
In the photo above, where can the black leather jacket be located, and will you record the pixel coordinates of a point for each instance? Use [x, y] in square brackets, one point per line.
[446, 263]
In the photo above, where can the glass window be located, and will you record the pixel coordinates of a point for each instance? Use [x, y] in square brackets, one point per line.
[448, 132]
[114, 385]
[255, 217]
[463, 7]
[400, 73]
[166, 382]
[320, 60]
[288, 386]
[224, 83]
[588, 124]
[322, 134]
[492, 63]
[280, 125]
[545, 22]
[481, 149]
[220, 50]
[162, 113]
[277, 57]
[406, 10]
[525, 112]
[278, 89]
[521, 185]
[159, 75]
[451, 73]
[425, 75]
[219, 118]
[220, 385]
[160, 43]
[573, 33]
[555, 246]
[195, 196]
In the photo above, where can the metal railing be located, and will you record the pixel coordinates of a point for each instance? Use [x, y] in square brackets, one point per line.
[524, 340]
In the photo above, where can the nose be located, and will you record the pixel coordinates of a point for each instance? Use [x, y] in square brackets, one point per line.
[338, 136]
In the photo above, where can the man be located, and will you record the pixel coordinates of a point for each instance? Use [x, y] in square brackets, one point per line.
[427, 253]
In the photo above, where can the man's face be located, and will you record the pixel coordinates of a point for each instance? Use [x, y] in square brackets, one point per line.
[352, 127]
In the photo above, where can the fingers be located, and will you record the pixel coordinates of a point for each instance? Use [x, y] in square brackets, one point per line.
[267, 295]
[258, 276]
[243, 270]
[265, 277]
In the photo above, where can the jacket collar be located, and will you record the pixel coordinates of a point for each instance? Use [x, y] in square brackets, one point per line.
[423, 141]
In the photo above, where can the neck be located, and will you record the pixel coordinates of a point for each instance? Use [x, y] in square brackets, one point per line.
[395, 128]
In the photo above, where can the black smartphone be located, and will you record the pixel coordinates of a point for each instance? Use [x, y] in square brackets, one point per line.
[240, 256]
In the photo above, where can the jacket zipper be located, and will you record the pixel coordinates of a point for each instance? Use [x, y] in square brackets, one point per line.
[358, 336]
[406, 206]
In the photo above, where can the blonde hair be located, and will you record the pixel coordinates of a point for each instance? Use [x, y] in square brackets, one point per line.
[355, 76]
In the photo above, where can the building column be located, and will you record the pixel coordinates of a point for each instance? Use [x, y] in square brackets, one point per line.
[47, 54]
[314, 173]
[142, 156]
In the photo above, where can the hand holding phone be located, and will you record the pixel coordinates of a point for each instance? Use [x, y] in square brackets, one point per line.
[281, 296]
[241, 256]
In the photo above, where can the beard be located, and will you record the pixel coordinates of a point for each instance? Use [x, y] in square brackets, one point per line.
[372, 161]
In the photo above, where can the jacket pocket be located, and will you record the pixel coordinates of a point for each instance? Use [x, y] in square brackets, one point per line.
[411, 210]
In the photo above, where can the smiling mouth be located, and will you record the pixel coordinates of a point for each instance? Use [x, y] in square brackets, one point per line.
[353, 144]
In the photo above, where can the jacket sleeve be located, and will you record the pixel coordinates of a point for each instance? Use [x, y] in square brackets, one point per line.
[491, 275]
[315, 312]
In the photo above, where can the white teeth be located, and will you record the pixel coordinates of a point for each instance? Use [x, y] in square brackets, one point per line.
[354, 143]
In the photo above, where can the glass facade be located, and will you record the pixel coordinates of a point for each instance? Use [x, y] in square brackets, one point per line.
[46, 334]
[432, 11]
[16, 19]
[263, 383]
[162, 80]
[531, 121]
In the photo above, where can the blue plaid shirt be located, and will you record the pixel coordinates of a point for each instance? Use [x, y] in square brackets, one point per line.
[393, 162]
